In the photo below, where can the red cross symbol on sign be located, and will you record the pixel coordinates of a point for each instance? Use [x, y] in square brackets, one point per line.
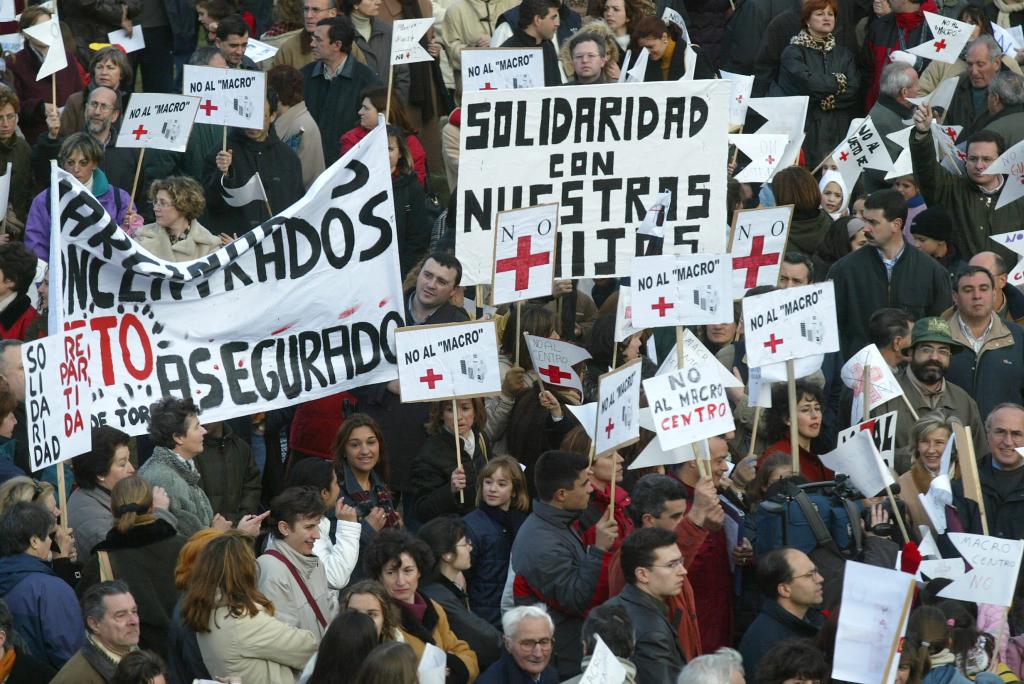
[940, 45]
[844, 155]
[522, 262]
[608, 428]
[488, 86]
[554, 374]
[755, 260]
[139, 132]
[951, 133]
[662, 306]
[431, 378]
[771, 159]
[773, 342]
[739, 98]
[208, 107]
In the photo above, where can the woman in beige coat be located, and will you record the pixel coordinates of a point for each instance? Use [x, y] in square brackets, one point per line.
[238, 636]
[176, 235]
[929, 438]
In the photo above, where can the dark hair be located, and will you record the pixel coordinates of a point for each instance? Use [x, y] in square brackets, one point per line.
[139, 667]
[536, 320]
[776, 427]
[758, 486]
[113, 54]
[96, 462]
[389, 610]
[231, 25]
[987, 136]
[293, 505]
[219, 9]
[203, 55]
[795, 185]
[638, 550]
[836, 243]
[92, 601]
[350, 637]
[310, 472]
[614, 626]
[773, 569]
[529, 9]
[651, 493]
[352, 423]
[405, 162]
[441, 535]
[792, 659]
[587, 37]
[651, 27]
[885, 325]
[341, 31]
[969, 271]
[21, 522]
[556, 470]
[18, 264]
[378, 97]
[387, 548]
[288, 82]
[168, 418]
[794, 258]
[390, 663]
[448, 261]
[892, 204]
[965, 631]
[974, 14]
[928, 625]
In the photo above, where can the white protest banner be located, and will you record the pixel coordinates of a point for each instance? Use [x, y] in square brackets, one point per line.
[1007, 41]
[883, 432]
[258, 51]
[158, 121]
[695, 353]
[447, 361]
[502, 68]
[670, 15]
[927, 545]
[586, 414]
[994, 564]
[876, 604]
[757, 243]
[228, 97]
[256, 325]
[618, 408]
[1013, 241]
[682, 289]
[790, 324]
[935, 500]
[858, 458]
[524, 253]
[862, 149]
[591, 151]
[940, 97]
[58, 402]
[554, 361]
[949, 37]
[764, 150]
[250, 191]
[653, 454]
[637, 72]
[738, 102]
[405, 41]
[48, 33]
[688, 405]
[882, 382]
[132, 43]
[604, 667]
[624, 314]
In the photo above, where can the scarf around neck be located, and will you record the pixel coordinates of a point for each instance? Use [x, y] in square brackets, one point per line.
[804, 39]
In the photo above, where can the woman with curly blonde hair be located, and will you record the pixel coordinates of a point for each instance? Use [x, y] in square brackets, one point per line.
[177, 235]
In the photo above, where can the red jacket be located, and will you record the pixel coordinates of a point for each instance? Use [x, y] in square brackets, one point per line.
[810, 467]
[15, 319]
[419, 155]
[585, 526]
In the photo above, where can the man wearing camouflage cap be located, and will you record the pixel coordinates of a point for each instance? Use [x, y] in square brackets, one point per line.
[925, 386]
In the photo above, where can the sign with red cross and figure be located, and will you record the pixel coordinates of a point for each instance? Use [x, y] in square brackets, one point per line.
[554, 360]
[158, 121]
[227, 97]
[790, 324]
[949, 38]
[524, 253]
[448, 361]
[681, 289]
[757, 244]
[618, 408]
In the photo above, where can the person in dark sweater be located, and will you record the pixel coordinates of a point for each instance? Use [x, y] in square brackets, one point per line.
[538, 23]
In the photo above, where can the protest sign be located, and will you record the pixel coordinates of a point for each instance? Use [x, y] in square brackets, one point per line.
[688, 404]
[57, 397]
[738, 101]
[618, 408]
[132, 43]
[554, 361]
[405, 41]
[7, 10]
[858, 458]
[5, 190]
[876, 605]
[12, 42]
[781, 115]
[654, 220]
[695, 353]
[447, 361]
[862, 149]
[258, 51]
[158, 121]
[254, 326]
[682, 289]
[48, 33]
[882, 383]
[757, 243]
[949, 568]
[1010, 162]
[228, 97]
[250, 191]
[524, 253]
[790, 324]
[604, 667]
[591, 151]
[994, 564]
[759, 390]
[670, 15]
[624, 314]
[883, 433]
[502, 68]
[763, 154]
[935, 500]
[949, 37]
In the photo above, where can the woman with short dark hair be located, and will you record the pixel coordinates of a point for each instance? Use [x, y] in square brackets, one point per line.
[808, 421]
[108, 67]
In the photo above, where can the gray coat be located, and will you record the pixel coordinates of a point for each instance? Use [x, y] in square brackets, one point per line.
[89, 515]
[658, 657]
[188, 500]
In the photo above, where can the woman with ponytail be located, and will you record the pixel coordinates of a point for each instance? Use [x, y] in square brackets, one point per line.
[142, 550]
[933, 632]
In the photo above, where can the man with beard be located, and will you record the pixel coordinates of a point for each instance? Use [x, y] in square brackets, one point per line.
[1001, 477]
[925, 386]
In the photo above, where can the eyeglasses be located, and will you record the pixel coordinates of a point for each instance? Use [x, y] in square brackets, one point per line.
[163, 204]
[468, 544]
[928, 350]
[980, 160]
[585, 56]
[102, 106]
[812, 573]
[671, 565]
[530, 644]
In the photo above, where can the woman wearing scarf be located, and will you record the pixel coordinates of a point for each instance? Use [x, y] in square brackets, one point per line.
[815, 65]
[928, 439]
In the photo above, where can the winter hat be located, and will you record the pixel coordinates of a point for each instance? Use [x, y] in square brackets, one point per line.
[934, 223]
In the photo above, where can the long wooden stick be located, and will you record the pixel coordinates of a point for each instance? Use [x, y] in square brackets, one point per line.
[138, 170]
[975, 482]
[458, 444]
[753, 431]
[62, 497]
[865, 390]
[794, 435]
[387, 105]
[899, 632]
[910, 407]
[679, 346]
[519, 317]
[224, 140]
[611, 494]
[53, 85]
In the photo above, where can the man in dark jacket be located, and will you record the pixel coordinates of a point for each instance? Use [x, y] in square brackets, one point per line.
[112, 620]
[885, 272]
[1006, 107]
[529, 641]
[932, 230]
[1009, 300]
[552, 566]
[538, 23]
[970, 99]
[653, 567]
[1001, 477]
[228, 473]
[892, 112]
[333, 84]
[792, 586]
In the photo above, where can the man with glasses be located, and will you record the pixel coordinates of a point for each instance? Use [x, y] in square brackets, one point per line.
[297, 50]
[529, 641]
[1001, 477]
[791, 586]
[652, 565]
[589, 57]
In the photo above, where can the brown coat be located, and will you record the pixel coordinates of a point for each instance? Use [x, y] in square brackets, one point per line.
[199, 242]
[78, 670]
[445, 639]
[909, 490]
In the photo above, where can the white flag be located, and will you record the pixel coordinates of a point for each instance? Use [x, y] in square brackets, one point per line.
[5, 188]
[940, 97]
[765, 152]
[405, 41]
[949, 37]
[862, 149]
[670, 15]
[250, 192]
[48, 33]
[554, 360]
[859, 459]
[883, 383]
[741, 87]
[624, 314]
[636, 73]
[1010, 162]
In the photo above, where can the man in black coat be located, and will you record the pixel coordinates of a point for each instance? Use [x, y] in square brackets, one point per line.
[1001, 477]
[970, 99]
[538, 24]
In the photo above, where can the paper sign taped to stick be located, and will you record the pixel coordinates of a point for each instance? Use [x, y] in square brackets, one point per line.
[502, 68]
[764, 154]
[758, 242]
[228, 97]
[790, 324]
[883, 433]
[858, 458]
[688, 405]
[695, 353]
[447, 361]
[884, 386]
[994, 564]
[158, 121]
[682, 289]
[524, 253]
[58, 401]
[48, 33]
[624, 314]
[554, 360]
[590, 149]
[618, 408]
[258, 51]
[405, 41]
[604, 667]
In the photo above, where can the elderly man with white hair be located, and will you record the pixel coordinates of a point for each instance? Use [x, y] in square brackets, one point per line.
[529, 640]
[724, 666]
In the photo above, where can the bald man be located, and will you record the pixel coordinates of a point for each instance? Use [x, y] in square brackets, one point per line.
[1009, 300]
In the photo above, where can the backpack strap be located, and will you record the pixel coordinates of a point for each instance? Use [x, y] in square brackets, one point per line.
[821, 533]
[302, 584]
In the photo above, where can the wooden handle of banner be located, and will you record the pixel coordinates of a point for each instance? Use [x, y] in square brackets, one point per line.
[679, 346]
[458, 444]
[894, 646]
[753, 431]
[976, 484]
[593, 447]
[519, 334]
[865, 390]
[62, 497]
[910, 407]
[53, 87]
[896, 514]
[703, 469]
[135, 182]
[558, 317]
[387, 102]
[794, 435]
[224, 140]
[611, 490]
[479, 300]
[269, 210]
[615, 354]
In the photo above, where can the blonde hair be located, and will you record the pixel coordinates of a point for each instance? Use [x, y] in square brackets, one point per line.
[131, 502]
[22, 488]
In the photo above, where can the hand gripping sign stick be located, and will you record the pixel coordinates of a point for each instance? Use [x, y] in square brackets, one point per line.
[794, 435]
[458, 444]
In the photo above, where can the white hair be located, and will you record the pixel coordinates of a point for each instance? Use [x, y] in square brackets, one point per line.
[716, 668]
[511, 619]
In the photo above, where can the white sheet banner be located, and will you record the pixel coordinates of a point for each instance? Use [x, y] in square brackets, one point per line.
[228, 97]
[448, 361]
